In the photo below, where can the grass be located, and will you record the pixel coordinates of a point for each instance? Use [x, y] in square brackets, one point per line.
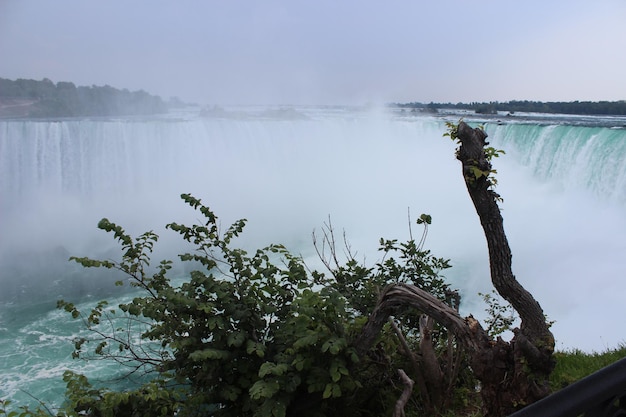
[574, 364]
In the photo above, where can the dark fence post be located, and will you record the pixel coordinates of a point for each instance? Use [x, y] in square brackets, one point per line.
[601, 394]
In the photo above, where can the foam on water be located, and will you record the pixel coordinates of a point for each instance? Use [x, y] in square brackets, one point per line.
[36, 348]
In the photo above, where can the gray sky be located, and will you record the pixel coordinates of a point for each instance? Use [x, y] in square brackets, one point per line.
[323, 51]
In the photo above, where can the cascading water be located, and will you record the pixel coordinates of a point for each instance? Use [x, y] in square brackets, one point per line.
[574, 157]
[563, 189]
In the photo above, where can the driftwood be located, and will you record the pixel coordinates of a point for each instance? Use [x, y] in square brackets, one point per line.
[512, 374]
[527, 359]
[406, 394]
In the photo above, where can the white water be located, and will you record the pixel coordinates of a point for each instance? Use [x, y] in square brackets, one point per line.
[564, 208]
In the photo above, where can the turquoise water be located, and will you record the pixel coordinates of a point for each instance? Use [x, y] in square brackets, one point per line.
[564, 207]
[36, 345]
[575, 157]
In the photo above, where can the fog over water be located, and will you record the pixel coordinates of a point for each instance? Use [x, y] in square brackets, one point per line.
[562, 186]
[287, 171]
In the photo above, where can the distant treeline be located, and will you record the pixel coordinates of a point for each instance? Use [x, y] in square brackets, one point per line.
[573, 107]
[31, 98]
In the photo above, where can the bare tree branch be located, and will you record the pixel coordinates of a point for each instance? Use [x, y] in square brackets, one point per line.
[405, 396]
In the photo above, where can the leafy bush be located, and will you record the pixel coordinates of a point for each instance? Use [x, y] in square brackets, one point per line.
[249, 334]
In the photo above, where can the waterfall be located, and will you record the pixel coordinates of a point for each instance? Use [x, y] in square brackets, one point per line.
[563, 188]
[574, 157]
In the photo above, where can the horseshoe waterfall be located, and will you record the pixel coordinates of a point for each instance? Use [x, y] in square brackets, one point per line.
[563, 184]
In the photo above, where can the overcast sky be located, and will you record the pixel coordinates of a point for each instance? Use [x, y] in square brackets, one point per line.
[323, 51]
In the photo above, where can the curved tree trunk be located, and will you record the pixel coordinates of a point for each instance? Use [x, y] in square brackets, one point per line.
[512, 374]
[533, 344]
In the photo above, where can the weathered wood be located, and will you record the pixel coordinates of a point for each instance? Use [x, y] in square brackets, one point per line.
[512, 374]
[405, 396]
[471, 153]
[397, 298]
[430, 364]
[415, 362]
[527, 359]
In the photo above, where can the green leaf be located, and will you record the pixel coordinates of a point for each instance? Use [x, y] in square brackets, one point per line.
[236, 339]
[211, 354]
[328, 391]
[300, 362]
[263, 389]
[334, 345]
[270, 368]
[255, 347]
[425, 218]
[307, 340]
[337, 369]
[266, 369]
[331, 390]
